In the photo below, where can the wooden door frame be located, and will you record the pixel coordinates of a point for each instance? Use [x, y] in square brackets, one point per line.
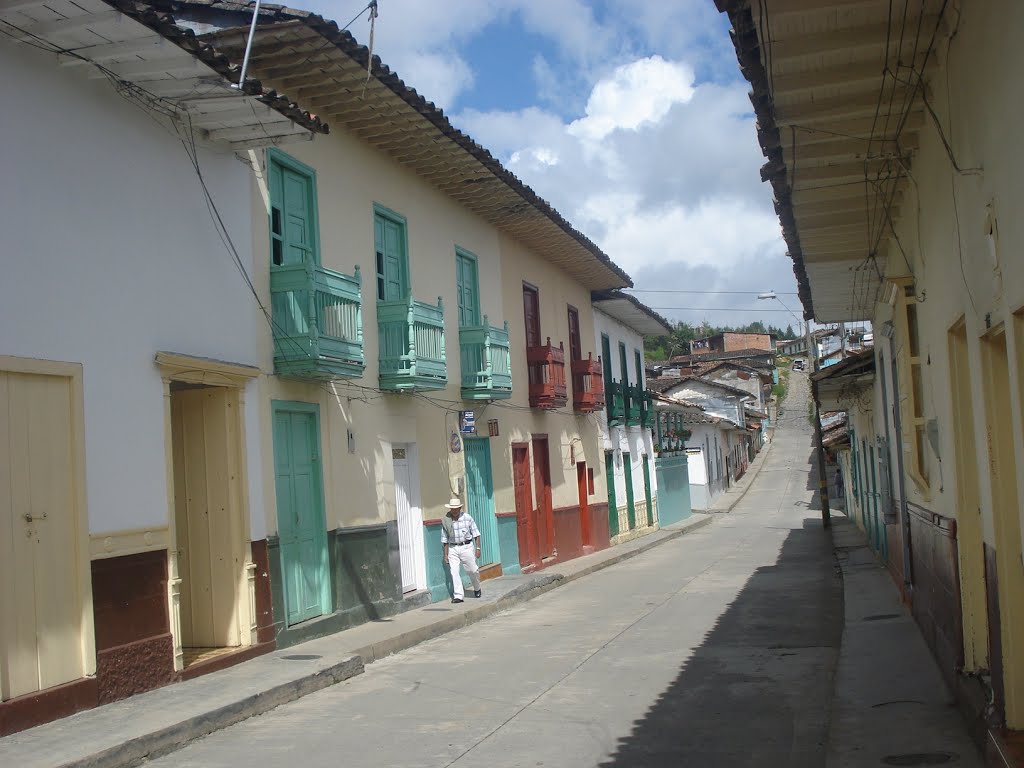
[175, 367]
[544, 499]
[582, 488]
[540, 333]
[412, 458]
[73, 372]
[298, 406]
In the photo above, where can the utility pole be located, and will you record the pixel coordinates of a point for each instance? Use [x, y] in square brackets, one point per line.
[812, 351]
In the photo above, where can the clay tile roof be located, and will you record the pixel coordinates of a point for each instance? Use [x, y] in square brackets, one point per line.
[328, 68]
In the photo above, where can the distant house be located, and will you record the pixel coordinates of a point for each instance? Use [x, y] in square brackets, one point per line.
[730, 341]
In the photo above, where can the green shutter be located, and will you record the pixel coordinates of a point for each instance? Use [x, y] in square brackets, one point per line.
[468, 289]
[293, 216]
[389, 242]
[613, 507]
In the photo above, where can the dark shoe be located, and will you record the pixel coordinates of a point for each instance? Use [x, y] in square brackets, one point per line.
[456, 599]
[476, 593]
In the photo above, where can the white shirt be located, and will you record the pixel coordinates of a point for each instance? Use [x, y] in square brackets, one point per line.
[463, 529]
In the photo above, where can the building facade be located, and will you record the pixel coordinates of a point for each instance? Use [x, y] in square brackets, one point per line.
[944, 293]
[626, 422]
[128, 349]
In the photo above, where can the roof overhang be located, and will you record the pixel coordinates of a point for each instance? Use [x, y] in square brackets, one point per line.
[631, 312]
[147, 57]
[323, 66]
[839, 92]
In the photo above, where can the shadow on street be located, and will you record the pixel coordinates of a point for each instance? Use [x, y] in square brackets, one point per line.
[757, 691]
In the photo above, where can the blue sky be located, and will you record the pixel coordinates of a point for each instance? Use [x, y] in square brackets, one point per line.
[631, 118]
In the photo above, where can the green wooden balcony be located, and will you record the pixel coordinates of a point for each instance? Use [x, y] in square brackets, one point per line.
[615, 400]
[317, 322]
[412, 354]
[486, 362]
[634, 406]
[647, 412]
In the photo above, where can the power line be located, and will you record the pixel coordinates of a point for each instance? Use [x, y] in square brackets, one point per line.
[744, 293]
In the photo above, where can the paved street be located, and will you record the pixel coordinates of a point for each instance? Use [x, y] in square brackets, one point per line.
[714, 649]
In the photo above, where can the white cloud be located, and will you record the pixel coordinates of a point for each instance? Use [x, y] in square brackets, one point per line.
[641, 133]
[637, 94]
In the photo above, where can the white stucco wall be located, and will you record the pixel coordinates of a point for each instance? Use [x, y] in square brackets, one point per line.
[110, 255]
[634, 440]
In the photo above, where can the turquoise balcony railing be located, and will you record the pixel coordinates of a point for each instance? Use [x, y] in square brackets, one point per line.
[412, 354]
[317, 322]
[615, 400]
[486, 362]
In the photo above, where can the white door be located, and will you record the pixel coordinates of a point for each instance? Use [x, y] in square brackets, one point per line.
[41, 604]
[410, 521]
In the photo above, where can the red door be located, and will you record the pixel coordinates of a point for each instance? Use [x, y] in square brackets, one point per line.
[531, 313]
[543, 516]
[524, 505]
[582, 487]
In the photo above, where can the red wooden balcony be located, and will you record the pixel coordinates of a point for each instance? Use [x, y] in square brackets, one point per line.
[587, 385]
[547, 376]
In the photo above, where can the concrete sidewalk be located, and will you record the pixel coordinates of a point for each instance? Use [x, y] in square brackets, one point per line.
[128, 732]
[891, 705]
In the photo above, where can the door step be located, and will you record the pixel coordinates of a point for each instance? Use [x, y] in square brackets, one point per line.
[491, 571]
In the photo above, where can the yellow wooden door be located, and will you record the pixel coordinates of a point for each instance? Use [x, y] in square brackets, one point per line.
[204, 441]
[41, 612]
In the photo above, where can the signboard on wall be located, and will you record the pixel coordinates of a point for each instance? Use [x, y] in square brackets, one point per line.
[467, 422]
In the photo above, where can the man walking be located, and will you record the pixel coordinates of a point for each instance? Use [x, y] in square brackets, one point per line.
[461, 540]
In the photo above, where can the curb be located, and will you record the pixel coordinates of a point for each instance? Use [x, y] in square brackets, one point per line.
[166, 740]
[163, 741]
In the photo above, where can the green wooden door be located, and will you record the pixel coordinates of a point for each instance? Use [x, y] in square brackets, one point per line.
[613, 507]
[480, 497]
[292, 214]
[468, 289]
[389, 245]
[627, 470]
[647, 490]
[300, 513]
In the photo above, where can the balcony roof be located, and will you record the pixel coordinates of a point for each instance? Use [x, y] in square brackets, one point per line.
[631, 312]
[164, 68]
[326, 69]
[838, 89]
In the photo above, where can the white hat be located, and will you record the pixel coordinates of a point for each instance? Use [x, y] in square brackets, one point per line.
[455, 503]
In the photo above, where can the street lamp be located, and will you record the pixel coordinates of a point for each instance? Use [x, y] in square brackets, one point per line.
[807, 326]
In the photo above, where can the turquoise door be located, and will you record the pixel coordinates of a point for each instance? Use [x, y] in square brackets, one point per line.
[300, 511]
[480, 497]
[468, 290]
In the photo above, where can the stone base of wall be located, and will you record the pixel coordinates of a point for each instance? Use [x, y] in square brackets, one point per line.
[32, 709]
[136, 667]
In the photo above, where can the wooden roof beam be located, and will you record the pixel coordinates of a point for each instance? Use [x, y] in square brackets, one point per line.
[803, 111]
[867, 37]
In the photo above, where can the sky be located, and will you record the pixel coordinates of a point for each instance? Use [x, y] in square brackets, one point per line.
[632, 119]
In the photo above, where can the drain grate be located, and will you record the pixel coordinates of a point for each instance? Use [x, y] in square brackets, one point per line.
[882, 616]
[921, 758]
[301, 657]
